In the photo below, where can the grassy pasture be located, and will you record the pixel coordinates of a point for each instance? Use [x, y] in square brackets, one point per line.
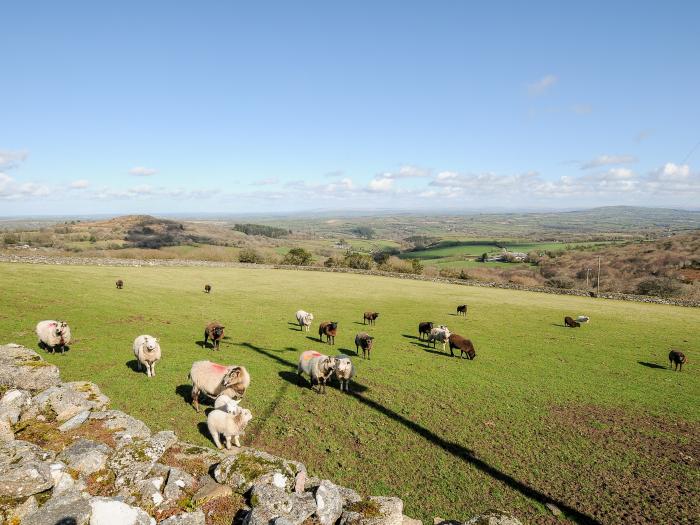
[589, 418]
[476, 248]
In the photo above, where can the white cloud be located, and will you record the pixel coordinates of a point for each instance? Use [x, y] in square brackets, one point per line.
[10, 190]
[405, 172]
[381, 185]
[79, 184]
[672, 172]
[608, 160]
[141, 171]
[11, 159]
[542, 85]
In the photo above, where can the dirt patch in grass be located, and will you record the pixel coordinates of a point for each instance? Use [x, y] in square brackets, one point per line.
[635, 468]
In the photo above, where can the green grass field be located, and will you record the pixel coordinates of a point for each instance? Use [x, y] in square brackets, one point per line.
[590, 418]
[476, 248]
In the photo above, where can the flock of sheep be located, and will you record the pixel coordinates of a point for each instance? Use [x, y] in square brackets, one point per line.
[227, 384]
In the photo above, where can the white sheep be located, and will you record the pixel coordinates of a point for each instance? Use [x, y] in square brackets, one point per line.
[230, 425]
[317, 366]
[441, 334]
[147, 353]
[213, 380]
[344, 371]
[225, 402]
[304, 319]
[583, 319]
[53, 335]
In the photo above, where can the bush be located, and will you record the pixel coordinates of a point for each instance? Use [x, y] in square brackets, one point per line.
[560, 282]
[297, 257]
[250, 255]
[659, 286]
[358, 261]
[366, 232]
[11, 238]
[260, 229]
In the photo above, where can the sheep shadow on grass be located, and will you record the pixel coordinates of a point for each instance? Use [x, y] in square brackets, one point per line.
[134, 365]
[185, 392]
[409, 336]
[652, 365]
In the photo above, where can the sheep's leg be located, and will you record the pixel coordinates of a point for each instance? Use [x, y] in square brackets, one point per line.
[228, 442]
[237, 441]
[215, 437]
[195, 398]
[153, 369]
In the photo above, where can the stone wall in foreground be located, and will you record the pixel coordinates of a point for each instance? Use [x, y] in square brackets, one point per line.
[67, 458]
[98, 261]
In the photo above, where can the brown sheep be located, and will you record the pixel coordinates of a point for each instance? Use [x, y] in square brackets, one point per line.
[424, 329]
[207, 288]
[462, 310]
[677, 358]
[120, 284]
[215, 332]
[370, 316]
[365, 341]
[568, 321]
[329, 329]
[465, 346]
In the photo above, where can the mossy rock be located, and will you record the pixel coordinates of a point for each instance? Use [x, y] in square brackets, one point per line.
[241, 470]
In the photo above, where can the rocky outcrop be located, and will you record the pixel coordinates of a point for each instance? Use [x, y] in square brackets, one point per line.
[25, 369]
[126, 474]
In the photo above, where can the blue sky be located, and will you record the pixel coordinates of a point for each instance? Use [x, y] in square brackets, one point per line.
[226, 106]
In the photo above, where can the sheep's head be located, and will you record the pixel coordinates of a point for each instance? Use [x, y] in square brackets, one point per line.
[151, 343]
[343, 367]
[218, 331]
[232, 407]
[60, 327]
[238, 379]
[309, 317]
[375, 314]
[329, 364]
[368, 342]
[334, 325]
[471, 353]
[242, 417]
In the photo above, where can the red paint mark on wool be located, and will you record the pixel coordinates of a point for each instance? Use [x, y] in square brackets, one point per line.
[219, 368]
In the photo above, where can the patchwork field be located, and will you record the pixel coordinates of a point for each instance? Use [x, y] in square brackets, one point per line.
[590, 419]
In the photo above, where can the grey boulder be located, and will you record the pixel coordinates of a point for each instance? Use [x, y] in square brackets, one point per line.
[86, 456]
[21, 367]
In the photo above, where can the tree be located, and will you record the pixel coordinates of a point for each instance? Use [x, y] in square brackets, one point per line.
[484, 257]
[358, 261]
[417, 266]
[297, 257]
[366, 232]
[250, 255]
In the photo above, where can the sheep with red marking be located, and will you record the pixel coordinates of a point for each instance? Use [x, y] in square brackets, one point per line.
[329, 329]
[464, 345]
[53, 335]
[213, 380]
[318, 367]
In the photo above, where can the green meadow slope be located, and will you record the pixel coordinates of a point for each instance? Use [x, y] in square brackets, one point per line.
[590, 418]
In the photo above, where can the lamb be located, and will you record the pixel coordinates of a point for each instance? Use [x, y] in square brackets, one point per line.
[424, 329]
[53, 335]
[214, 380]
[230, 425]
[583, 319]
[120, 284]
[304, 319]
[344, 371]
[215, 332]
[462, 310]
[227, 404]
[442, 334]
[207, 288]
[677, 358]
[370, 316]
[317, 366]
[364, 341]
[568, 321]
[147, 352]
[465, 346]
[329, 329]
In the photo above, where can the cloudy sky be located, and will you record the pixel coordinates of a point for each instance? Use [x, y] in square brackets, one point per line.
[223, 106]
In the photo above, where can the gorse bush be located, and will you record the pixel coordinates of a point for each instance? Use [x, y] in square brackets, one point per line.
[298, 257]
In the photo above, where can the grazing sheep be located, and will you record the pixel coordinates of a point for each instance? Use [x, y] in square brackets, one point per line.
[442, 334]
[214, 380]
[120, 284]
[329, 329]
[465, 346]
[147, 352]
[677, 358]
[304, 319]
[230, 425]
[424, 329]
[225, 402]
[207, 288]
[583, 319]
[215, 332]
[53, 335]
[317, 366]
[344, 371]
[462, 310]
[568, 321]
[364, 341]
[370, 316]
